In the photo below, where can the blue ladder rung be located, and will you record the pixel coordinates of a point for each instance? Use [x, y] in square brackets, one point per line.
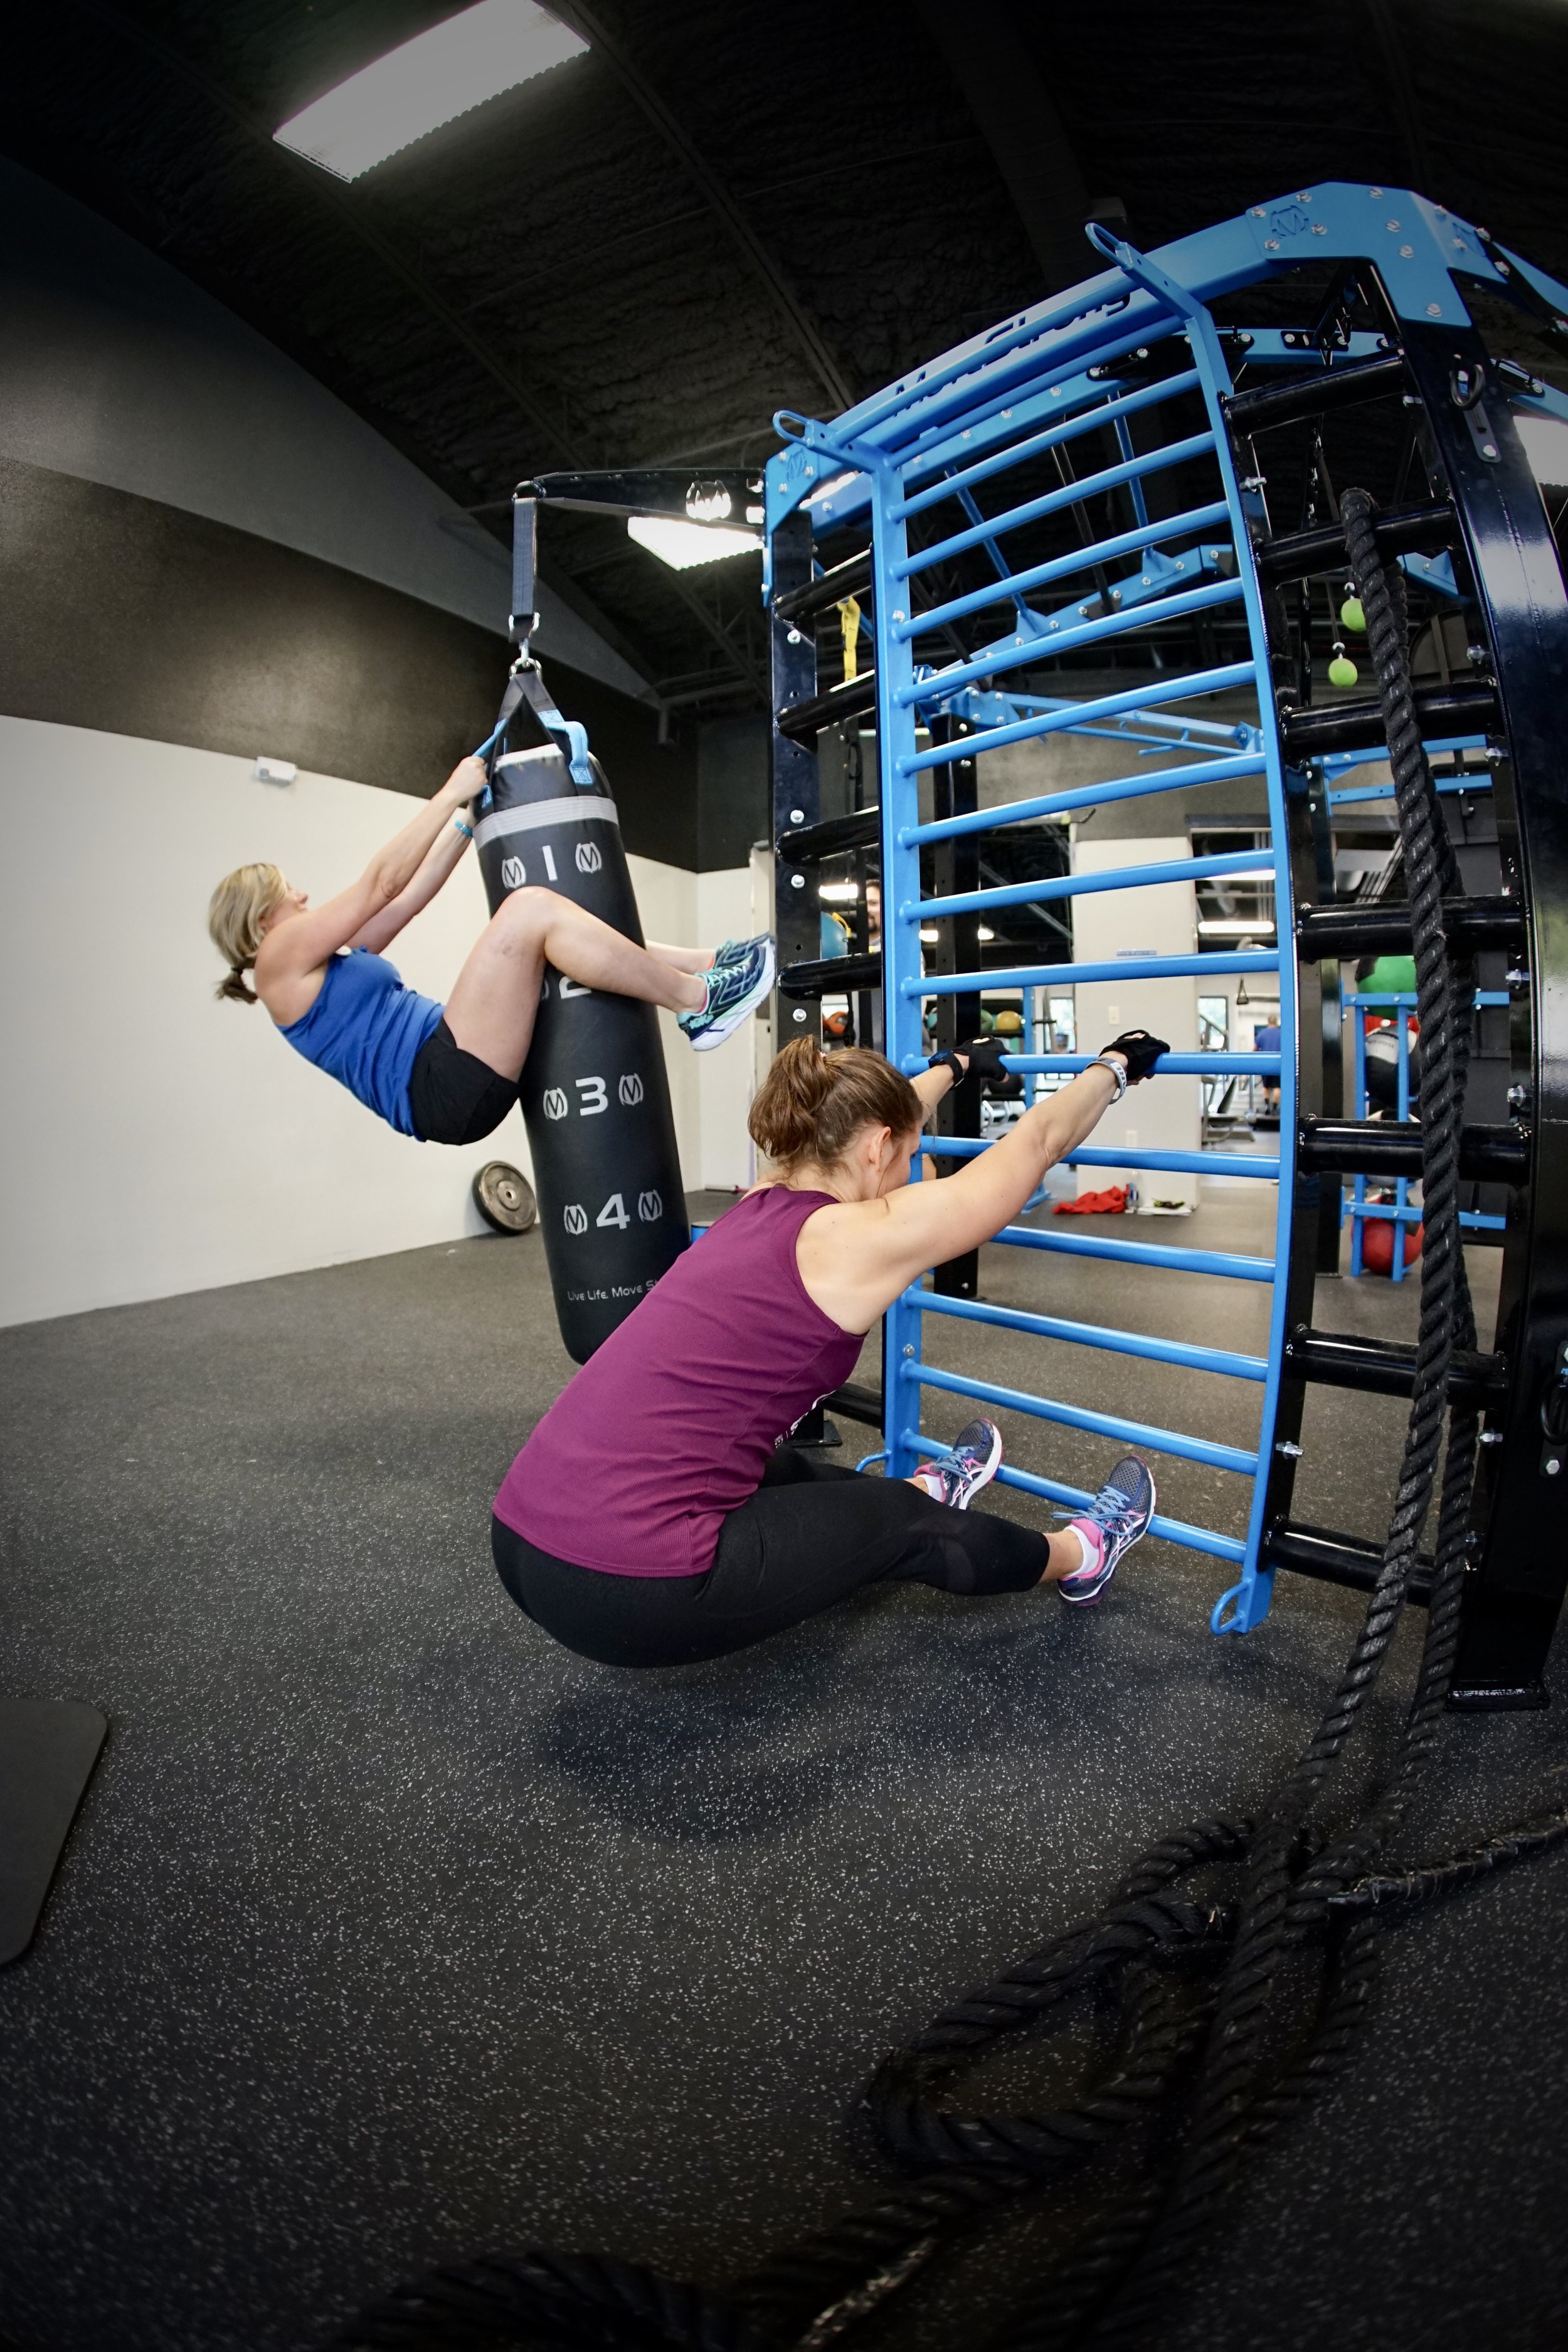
[928, 403]
[1060, 567]
[1053, 1490]
[1070, 494]
[1097, 1424]
[1262, 1165]
[999, 412]
[1092, 1335]
[1081, 886]
[1034, 445]
[1169, 1066]
[1035, 975]
[1120, 788]
[1015, 653]
[1222, 1263]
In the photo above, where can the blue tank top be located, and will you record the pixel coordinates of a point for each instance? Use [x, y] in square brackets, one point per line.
[365, 1029]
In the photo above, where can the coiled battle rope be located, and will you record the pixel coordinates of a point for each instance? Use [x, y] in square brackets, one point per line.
[1241, 1954]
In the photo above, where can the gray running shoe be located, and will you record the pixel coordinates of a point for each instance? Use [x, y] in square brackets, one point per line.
[1117, 1517]
[957, 1477]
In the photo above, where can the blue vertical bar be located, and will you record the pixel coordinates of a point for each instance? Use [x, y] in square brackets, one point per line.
[902, 1012]
[1247, 1603]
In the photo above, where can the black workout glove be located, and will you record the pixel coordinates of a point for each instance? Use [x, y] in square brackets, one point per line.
[1140, 1050]
[984, 1057]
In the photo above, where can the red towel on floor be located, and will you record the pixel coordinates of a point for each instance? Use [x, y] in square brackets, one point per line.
[1112, 1203]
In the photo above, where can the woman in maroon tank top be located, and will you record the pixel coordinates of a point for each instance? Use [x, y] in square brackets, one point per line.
[658, 1513]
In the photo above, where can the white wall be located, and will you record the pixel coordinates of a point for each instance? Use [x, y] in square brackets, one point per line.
[726, 1077]
[1108, 925]
[155, 1140]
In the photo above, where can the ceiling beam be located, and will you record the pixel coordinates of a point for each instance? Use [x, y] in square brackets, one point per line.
[987, 58]
[803, 328]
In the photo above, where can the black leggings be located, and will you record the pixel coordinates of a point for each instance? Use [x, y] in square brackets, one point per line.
[811, 1535]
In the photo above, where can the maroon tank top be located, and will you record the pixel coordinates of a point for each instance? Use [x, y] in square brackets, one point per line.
[670, 1424]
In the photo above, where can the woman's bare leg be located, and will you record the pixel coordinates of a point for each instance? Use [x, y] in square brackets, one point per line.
[491, 1012]
[683, 958]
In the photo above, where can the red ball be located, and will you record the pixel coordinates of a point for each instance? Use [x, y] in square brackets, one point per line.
[1377, 1244]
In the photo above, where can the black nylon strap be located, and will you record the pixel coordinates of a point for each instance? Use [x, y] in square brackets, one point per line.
[524, 536]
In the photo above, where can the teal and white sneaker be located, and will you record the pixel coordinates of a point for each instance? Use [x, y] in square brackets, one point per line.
[1116, 1519]
[958, 1477]
[735, 950]
[734, 989]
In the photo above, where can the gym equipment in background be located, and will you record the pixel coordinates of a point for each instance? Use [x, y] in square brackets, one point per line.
[1087, 483]
[1385, 1065]
[595, 1093]
[1216, 2037]
[504, 1198]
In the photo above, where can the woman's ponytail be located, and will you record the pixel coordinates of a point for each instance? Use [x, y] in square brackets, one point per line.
[240, 906]
[811, 1104]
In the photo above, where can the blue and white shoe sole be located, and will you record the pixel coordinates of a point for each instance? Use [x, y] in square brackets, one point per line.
[1086, 1600]
[727, 1024]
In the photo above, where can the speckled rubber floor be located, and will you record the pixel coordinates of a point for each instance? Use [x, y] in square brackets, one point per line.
[391, 1933]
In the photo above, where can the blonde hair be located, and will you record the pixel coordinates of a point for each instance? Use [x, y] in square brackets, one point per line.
[811, 1105]
[239, 907]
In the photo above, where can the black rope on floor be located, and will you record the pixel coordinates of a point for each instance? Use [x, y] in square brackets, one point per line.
[1239, 1956]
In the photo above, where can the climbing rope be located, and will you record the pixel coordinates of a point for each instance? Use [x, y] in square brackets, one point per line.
[1241, 1955]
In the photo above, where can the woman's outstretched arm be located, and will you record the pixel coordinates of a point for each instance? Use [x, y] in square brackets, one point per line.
[303, 943]
[440, 861]
[867, 1252]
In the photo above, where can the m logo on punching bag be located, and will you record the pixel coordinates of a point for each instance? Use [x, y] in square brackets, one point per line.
[611, 1206]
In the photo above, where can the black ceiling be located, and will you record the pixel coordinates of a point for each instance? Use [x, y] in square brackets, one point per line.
[725, 209]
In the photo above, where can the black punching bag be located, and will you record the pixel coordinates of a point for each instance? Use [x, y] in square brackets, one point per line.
[595, 1094]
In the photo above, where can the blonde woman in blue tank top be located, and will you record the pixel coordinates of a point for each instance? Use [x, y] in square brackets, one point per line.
[447, 1073]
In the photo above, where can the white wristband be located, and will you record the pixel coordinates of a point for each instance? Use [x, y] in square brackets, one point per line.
[1117, 1071]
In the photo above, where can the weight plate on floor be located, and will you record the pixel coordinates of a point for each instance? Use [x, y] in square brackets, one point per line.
[504, 1197]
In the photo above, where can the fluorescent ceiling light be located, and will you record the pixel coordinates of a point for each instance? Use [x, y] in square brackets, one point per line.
[431, 79]
[929, 934]
[1239, 926]
[1545, 440]
[982, 933]
[683, 545]
[839, 893]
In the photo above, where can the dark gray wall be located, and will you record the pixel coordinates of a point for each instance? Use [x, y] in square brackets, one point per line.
[116, 368]
[732, 790]
[139, 618]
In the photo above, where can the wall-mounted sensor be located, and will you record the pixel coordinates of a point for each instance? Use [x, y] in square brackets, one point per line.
[275, 771]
